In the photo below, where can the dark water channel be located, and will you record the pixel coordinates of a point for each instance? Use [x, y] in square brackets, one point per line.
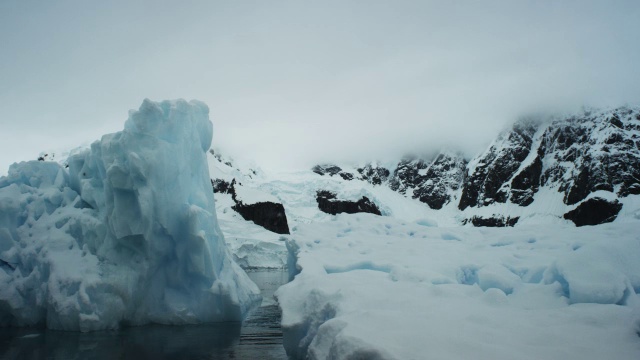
[259, 337]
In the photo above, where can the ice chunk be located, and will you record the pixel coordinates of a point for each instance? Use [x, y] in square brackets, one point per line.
[128, 235]
[497, 277]
[598, 273]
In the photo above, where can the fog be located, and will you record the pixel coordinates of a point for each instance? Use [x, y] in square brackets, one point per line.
[290, 83]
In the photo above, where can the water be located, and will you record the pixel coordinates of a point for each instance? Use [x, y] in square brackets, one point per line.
[259, 337]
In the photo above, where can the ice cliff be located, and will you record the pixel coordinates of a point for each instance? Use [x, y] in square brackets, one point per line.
[127, 235]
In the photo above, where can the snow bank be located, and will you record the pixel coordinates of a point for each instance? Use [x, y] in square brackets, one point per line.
[371, 287]
[127, 236]
[252, 246]
[249, 196]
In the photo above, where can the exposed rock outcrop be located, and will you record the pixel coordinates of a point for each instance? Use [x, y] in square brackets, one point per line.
[326, 169]
[374, 174]
[268, 214]
[328, 203]
[442, 180]
[489, 175]
[594, 211]
[221, 186]
[593, 152]
[435, 181]
[526, 183]
[573, 155]
[495, 221]
[408, 174]
[577, 155]
[331, 170]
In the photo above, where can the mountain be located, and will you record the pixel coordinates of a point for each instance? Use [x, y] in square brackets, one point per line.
[576, 156]
[583, 168]
[368, 246]
[543, 178]
[589, 162]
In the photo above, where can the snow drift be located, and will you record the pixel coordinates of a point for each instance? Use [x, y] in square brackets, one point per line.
[127, 235]
[372, 287]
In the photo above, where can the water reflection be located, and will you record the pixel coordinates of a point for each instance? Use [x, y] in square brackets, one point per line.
[146, 342]
[259, 337]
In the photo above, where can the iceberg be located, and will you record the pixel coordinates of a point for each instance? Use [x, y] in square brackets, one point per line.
[126, 235]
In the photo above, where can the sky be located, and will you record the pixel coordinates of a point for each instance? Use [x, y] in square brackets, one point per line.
[290, 83]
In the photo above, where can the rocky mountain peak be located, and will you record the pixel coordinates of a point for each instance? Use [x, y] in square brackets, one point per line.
[578, 155]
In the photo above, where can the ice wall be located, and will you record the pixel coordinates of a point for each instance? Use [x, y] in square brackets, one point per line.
[128, 235]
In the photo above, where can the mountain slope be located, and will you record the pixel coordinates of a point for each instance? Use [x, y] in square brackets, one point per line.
[595, 154]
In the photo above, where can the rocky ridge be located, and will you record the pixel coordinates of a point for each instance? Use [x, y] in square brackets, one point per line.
[576, 156]
[582, 166]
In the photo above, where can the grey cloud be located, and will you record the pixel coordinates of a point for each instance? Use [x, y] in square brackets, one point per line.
[289, 83]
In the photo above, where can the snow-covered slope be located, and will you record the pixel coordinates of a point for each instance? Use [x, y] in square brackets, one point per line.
[370, 287]
[533, 173]
[435, 183]
[413, 283]
[537, 171]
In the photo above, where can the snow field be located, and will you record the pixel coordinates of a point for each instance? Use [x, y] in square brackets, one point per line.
[378, 287]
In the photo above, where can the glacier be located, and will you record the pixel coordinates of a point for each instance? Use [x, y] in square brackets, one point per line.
[126, 235]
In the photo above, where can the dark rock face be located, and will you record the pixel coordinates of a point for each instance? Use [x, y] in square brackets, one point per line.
[370, 173]
[346, 176]
[374, 174]
[326, 169]
[269, 215]
[594, 211]
[442, 178]
[328, 203]
[495, 221]
[577, 156]
[496, 167]
[331, 170]
[526, 183]
[406, 176]
[221, 186]
[432, 181]
[593, 152]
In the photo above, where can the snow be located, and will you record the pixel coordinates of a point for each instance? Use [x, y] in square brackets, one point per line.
[127, 235]
[227, 168]
[414, 284]
[248, 196]
[379, 287]
[410, 284]
[251, 246]
[297, 192]
[533, 154]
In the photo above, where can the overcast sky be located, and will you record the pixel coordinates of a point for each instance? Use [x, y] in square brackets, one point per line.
[292, 82]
